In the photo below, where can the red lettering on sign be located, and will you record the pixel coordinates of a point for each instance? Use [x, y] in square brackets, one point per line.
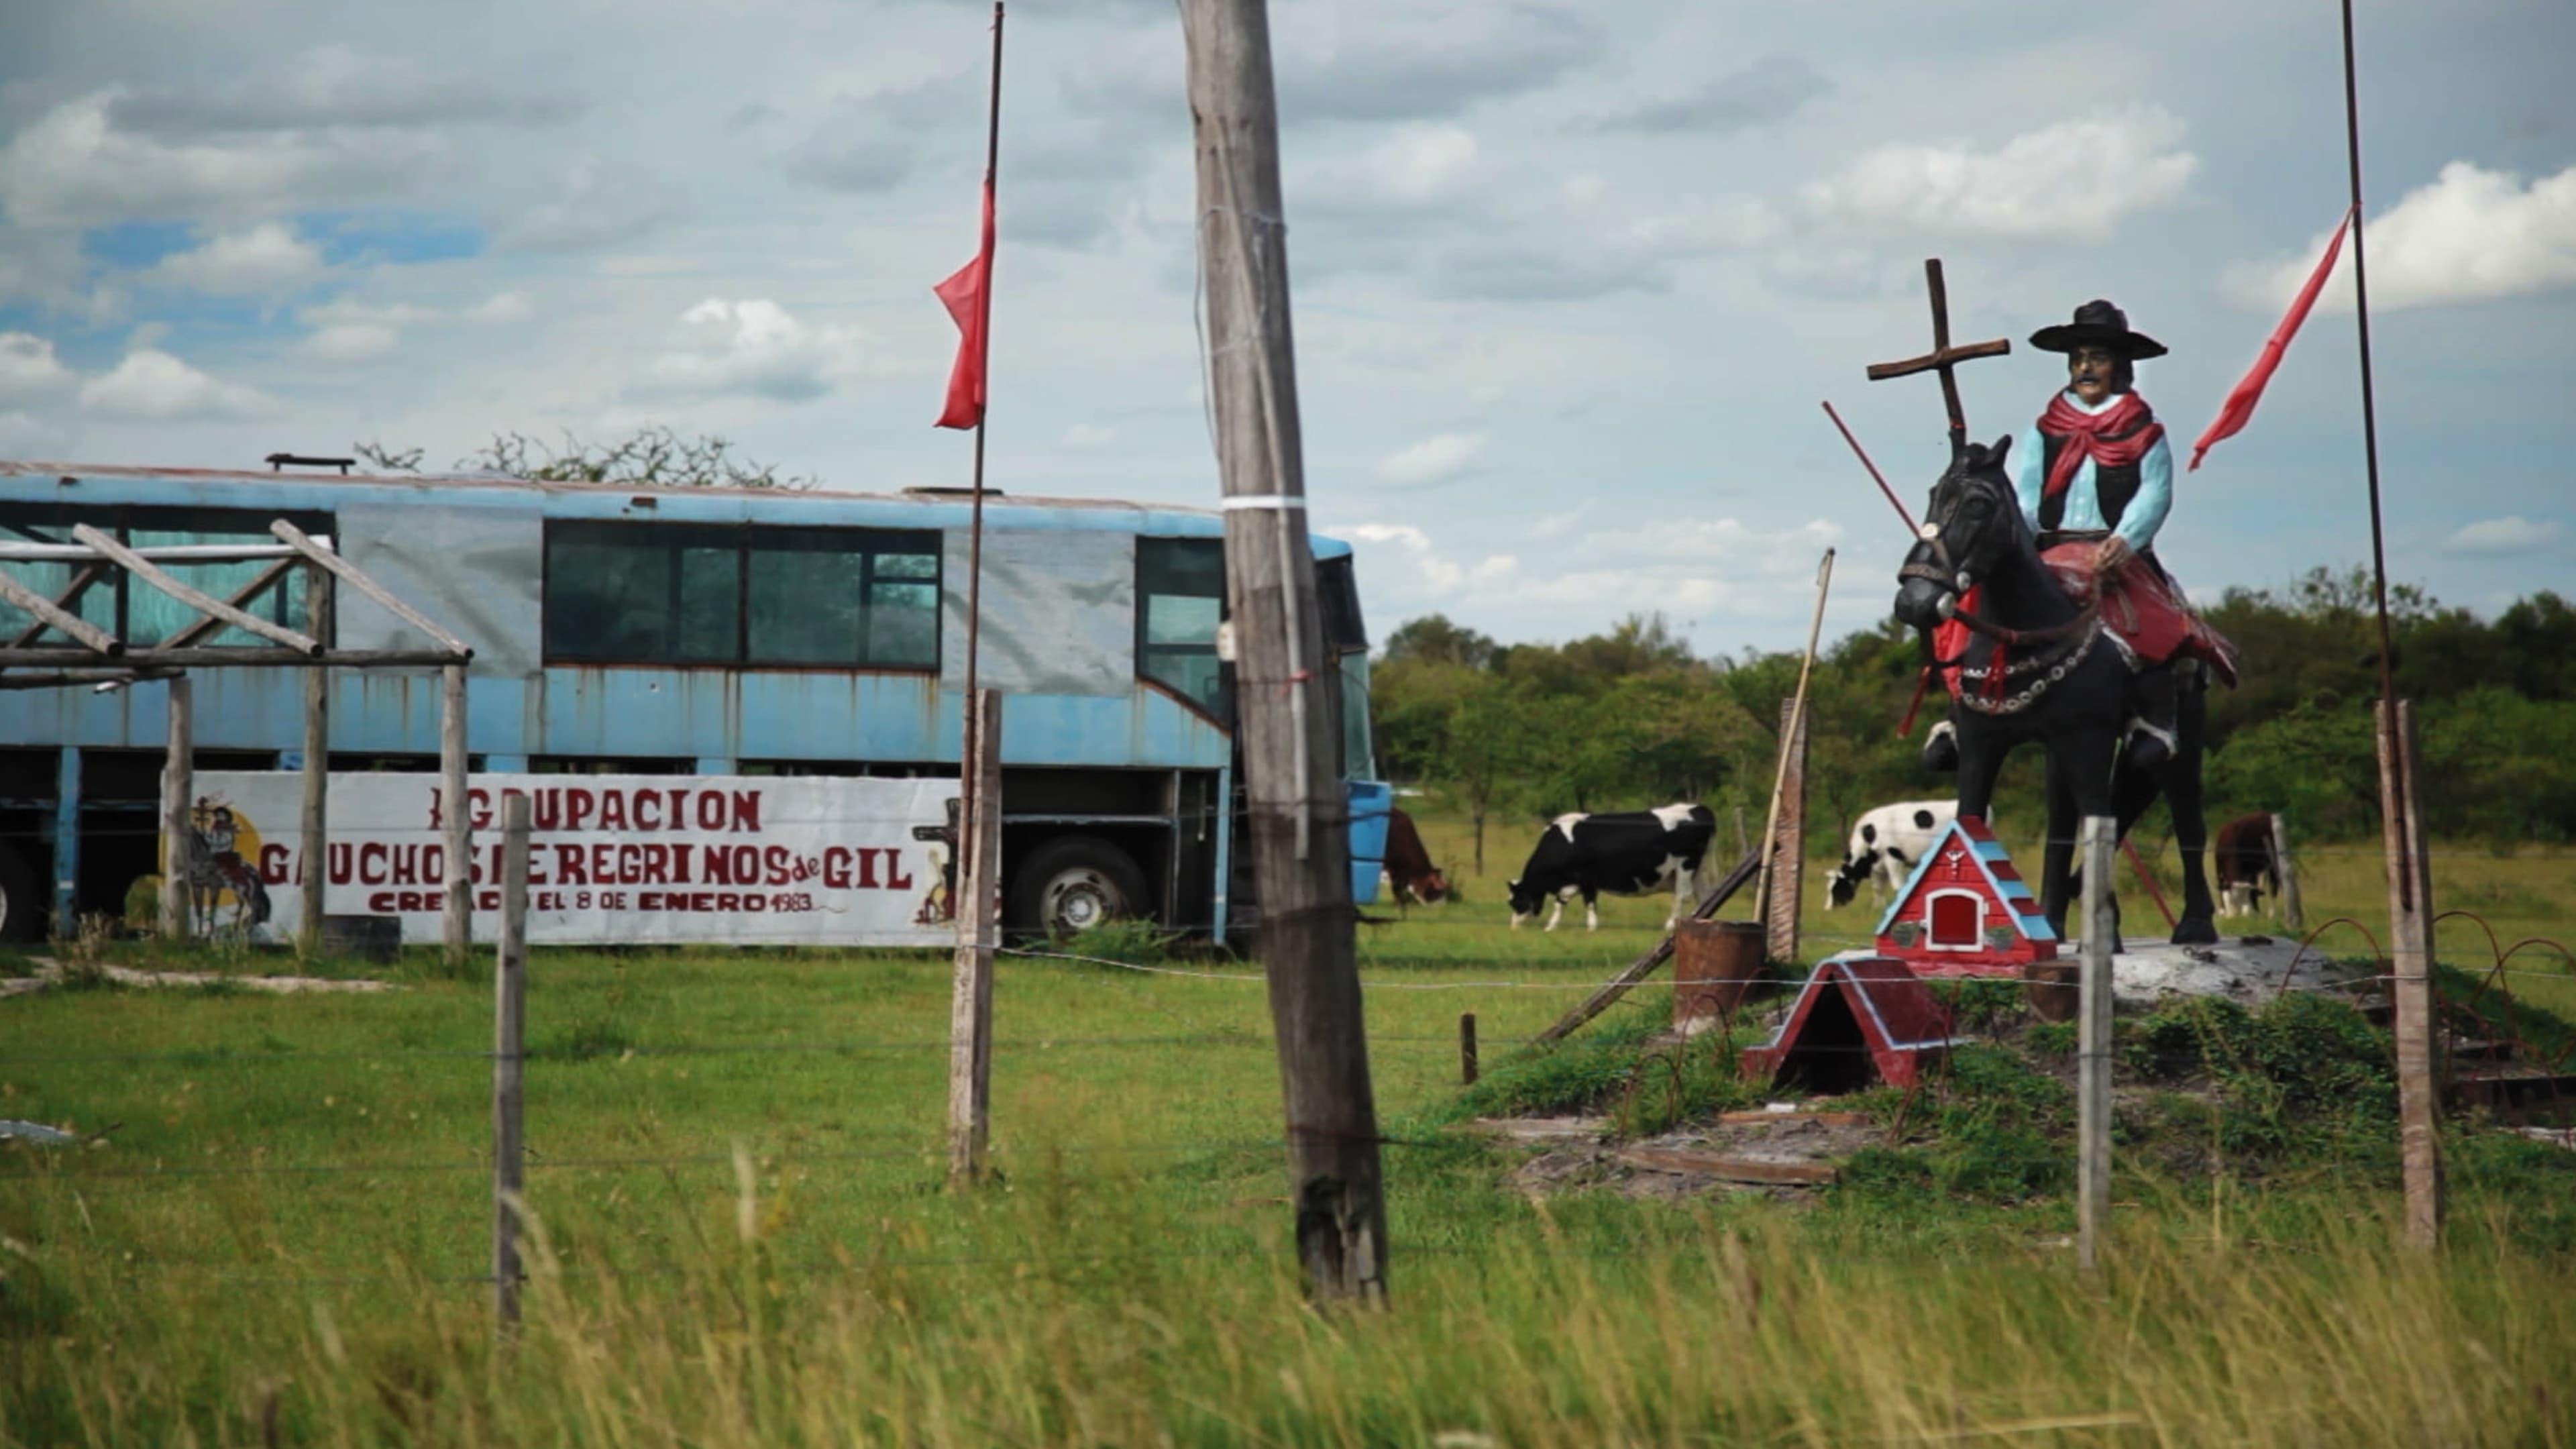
[478, 807]
[680, 851]
[381, 903]
[657, 862]
[630, 864]
[579, 806]
[781, 869]
[371, 863]
[272, 864]
[546, 810]
[836, 868]
[568, 866]
[896, 880]
[746, 811]
[678, 816]
[868, 868]
[603, 864]
[337, 867]
[719, 865]
[710, 810]
[648, 804]
[612, 809]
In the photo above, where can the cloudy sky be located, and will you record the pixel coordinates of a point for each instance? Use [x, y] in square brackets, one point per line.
[1570, 279]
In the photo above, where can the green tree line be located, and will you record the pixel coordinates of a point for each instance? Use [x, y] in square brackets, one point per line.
[1511, 734]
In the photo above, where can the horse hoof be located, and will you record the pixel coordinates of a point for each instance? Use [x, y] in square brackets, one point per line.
[2195, 931]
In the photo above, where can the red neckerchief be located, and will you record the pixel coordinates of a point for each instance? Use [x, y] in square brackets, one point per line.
[2116, 437]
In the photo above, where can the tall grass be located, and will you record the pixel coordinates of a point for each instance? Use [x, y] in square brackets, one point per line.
[1085, 1317]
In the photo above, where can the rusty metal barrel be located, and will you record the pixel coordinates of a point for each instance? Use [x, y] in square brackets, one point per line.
[1714, 964]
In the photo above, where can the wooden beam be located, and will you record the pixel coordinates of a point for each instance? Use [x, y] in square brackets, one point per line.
[1728, 1167]
[1964, 352]
[970, 1010]
[64, 601]
[70, 678]
[52, 615]
[178, 830]
[316, 841]
[178, 553]
[355, 578]
[204, 603]
[240, 598]
[1645, 966]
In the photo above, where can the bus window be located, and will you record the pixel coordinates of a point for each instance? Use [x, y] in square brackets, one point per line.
[624, 593]
[1180, 599]
[851, 597]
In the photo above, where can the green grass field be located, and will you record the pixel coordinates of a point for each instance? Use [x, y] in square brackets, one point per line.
[734, 1163]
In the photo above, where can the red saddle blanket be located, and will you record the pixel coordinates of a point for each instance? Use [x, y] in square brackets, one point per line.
[2141, 607]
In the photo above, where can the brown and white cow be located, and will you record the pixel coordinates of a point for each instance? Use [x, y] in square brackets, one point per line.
[2243, 857]
[1410, 875]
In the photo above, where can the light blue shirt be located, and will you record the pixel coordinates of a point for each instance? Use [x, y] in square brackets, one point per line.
[2138, 522]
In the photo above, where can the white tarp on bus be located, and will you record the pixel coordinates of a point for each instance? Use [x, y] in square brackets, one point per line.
[611, 858]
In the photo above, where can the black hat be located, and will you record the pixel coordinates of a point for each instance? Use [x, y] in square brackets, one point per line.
[2098, 321]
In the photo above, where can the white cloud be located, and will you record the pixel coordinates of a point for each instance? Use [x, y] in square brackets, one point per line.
[2512, 533]
[336, 86]
[23, 436]
[1435, 459]
[2470, 236]
[352, 341]
[1725, 543]
[1729, 224]
[1421, 163]
[1089, 435]
[29, 369]
[754, 348]
[152, 385]
[74, 167]
[2069, 182]
[499, 308]
[590, 207]
[1434, 573]
[266, 258]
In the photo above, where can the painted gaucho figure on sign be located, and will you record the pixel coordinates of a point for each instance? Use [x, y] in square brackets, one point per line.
[2094, 469]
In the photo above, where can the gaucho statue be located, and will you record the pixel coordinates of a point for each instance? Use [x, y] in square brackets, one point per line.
[2052, 623]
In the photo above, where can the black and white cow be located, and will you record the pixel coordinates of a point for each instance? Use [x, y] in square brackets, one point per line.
[1885, 845]
[1626, 854]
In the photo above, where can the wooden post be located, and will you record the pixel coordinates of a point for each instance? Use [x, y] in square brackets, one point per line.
[2293, 912]
[2093, 1045]
[2410, 936]
[457, 916]
[178, 827]
[317, 765]
[1296, 806]
[1789, 839]
[1943, 357]
[509, 1024]
[1467, 1048]
[1609, 992]
[970, 1002]
[1793, 739]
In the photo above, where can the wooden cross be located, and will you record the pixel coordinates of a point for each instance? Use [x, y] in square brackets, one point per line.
[1943, 356]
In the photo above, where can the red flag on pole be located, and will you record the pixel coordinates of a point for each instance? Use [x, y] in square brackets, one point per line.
[2234, 413]
[968, 296]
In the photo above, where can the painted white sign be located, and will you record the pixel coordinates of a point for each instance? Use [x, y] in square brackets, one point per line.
[611, 858]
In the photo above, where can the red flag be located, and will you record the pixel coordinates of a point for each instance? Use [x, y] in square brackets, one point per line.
[967, 295]
[2234, 413]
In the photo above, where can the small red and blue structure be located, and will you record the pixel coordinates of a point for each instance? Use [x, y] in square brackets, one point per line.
[1965, 911]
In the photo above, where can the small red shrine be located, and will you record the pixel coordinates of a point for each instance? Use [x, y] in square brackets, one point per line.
[1856, 1019]
[1965, 911]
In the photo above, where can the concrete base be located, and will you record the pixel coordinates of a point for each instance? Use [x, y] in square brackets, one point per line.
[2244, 969]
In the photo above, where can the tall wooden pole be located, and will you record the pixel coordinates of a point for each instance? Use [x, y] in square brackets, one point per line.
[1788, 845]
[457, 910]
[1303, 872]
[2093, 1044]
[970, 1005]
[972, 750]
[317, 765]
[178, 827]
[2410, 931]
[1792, 737]
[509, 1033]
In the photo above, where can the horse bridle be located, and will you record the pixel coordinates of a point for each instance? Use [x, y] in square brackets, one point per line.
[1954, 583]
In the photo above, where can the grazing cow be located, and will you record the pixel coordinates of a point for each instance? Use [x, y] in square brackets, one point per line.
[1885, 845]
[1625, 854]
[1409, 871]
[2246, 865]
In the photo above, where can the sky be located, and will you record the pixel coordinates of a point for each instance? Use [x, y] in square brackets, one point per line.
[1569, 280]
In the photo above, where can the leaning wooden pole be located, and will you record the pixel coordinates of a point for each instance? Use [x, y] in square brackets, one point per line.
[1793, 736]
[315, 835]
[1295, 807]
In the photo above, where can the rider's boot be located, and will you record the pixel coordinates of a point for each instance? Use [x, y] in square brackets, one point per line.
[2151, 731]
[1941, 751]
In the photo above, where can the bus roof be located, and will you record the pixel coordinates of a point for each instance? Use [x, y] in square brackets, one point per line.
[936, 508]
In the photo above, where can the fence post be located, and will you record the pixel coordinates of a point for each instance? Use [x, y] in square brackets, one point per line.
[2410, 935]
[2093, 1032]
[178, 827]
[316, 847]
[1788, 843]
[2294, 918]
[970, 1003]
[457, 916]
[509, 1030]
[1467, 1048]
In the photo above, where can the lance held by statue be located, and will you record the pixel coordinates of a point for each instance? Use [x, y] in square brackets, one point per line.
[2094, 479]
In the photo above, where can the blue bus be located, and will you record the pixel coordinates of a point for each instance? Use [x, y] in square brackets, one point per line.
[689, 631]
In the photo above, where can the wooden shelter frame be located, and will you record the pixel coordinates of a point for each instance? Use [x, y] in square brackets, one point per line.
[99, 659]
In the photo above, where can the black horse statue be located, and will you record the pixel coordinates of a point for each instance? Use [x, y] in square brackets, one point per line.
[2064, 684]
